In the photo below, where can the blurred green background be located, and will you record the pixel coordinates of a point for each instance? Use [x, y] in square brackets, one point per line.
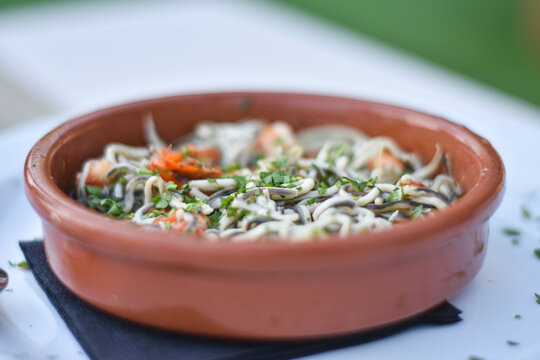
[494, 41]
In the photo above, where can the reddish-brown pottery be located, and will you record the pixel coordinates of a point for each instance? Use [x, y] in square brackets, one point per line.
[266, 289]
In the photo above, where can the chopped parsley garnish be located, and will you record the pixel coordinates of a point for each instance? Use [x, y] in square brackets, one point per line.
[213, 220]
[185, 151]
[161, 201]
[417, 211]
[336, 152]
[109, 206]
[276, 178]
[322, 189]
[358, 186]
[21, 264]
[232, 167]
[537, 252]
[394, 196]
[225, 202]
[311, 201]
[512, 342]
[280, 162]
[525, 212]
[241, 214]
[147, 172]
[212, 181]
[195, 206]
[93, 190]
[511, 232]
[153, 214]
[115, 209]
[240, 181]
[171, 186]
[537, 298]
[515, 241]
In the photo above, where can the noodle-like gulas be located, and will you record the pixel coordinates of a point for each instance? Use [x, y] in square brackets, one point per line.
[253, 179]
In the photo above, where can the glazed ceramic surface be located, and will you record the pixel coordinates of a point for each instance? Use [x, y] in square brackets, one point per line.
[267, 289]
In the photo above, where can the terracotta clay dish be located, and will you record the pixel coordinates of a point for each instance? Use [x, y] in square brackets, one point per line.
[263, 289]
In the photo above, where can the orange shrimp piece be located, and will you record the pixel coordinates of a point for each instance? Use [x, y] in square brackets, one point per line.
[171, 165]
[272, 136]
[98, 170]
[385, 159]
[211, 153]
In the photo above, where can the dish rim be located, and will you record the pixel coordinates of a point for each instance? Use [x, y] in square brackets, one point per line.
[145, 244]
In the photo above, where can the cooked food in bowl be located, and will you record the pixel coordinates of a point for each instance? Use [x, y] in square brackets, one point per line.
[251, 179]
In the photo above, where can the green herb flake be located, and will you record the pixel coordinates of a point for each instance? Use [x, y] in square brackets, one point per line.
[280, 162]
[241, 214]
[115, 210]
[213, 220]
[185, 152]
[394, 196]
[511, 232]
[515, 241]
[194, 207]
[276, 178]
[93, 190]
[153, 214]
[167, 225]
[225, 202]
[147, 172]
[517, 316]
[473, 357]
[537, 253]
[336, 152]
[212, 181]
[417, 212]
[21, 264]
[232, 167]
[525, 213]
[171, 186]
[161, 201]
[512, 342]
[537, 298]
[311, 201]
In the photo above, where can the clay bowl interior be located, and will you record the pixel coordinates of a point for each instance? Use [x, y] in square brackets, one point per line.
[267, 289]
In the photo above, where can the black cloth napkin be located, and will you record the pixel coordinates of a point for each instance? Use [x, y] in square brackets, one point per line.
[104, 336]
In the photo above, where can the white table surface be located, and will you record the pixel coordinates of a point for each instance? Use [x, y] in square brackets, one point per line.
[79, 57]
